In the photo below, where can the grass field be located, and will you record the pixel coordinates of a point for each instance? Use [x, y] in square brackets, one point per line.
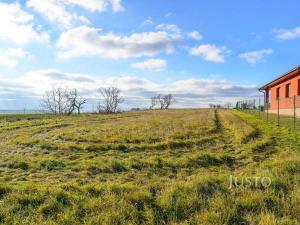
[281, 120]
[152, 167]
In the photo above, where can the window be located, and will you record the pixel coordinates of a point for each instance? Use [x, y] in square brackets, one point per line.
[288, 90]
[278, 93]
[299, 87]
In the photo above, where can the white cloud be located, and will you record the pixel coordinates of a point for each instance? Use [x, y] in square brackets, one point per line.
[195, 35]
[17, 25]
[10, 57]
[117, 5]
[287, 34]
[131, 84]
[87, 41]
[169, 27]
[98, 5]
[59, 12]
[29, 88]
[255, 56]
[147, 22]
[56, 13]
[156, 65]
[210, 52]
[168, 14]
[41, 80]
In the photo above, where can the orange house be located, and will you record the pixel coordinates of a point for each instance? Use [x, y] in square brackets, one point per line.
[283, 94]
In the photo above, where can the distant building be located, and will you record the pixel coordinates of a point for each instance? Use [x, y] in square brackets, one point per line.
[283, 93]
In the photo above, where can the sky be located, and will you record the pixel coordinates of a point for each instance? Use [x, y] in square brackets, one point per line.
[201, 51]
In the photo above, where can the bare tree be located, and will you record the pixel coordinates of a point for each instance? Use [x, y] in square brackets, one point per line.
[227, 105]
[161, 101]
[110, 99]
[62, 101]
[49, 102]
[75, 101]
[154, 102]
[54, 100]
[164, 101]
[168, 100]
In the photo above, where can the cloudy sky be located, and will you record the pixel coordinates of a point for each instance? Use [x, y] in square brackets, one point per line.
[202, 51]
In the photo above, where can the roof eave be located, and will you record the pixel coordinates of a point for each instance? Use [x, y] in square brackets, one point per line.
[282, 76]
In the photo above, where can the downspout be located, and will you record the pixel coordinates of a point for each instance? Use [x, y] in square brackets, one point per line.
[265, 103]
[262, 91]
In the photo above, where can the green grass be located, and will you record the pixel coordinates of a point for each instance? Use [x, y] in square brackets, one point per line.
[284, 120]
[148, 167]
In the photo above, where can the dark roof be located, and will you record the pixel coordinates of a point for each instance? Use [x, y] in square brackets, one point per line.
[285, 76]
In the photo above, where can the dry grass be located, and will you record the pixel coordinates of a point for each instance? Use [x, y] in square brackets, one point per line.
[153, 167]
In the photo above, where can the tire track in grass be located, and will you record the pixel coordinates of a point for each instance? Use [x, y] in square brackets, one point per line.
[259, 146]
[237, 137]
[91, 146]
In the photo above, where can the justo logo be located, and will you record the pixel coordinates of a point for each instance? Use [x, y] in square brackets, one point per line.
[249, 182]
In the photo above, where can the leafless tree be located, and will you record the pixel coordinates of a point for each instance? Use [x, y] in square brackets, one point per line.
[54, 100]
[49, 102]
[62, 101]
[154, 101]
[161, 101]
[164, 101]
[75, 101]
[168, 100]
[227, 105]
[110, 99]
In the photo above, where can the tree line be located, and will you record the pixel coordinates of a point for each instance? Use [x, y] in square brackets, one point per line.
[62, 100]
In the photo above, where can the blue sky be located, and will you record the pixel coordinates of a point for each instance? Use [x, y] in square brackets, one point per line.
[201, 51]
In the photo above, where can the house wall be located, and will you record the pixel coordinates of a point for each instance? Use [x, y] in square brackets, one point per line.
[285, 103]
[287, 112]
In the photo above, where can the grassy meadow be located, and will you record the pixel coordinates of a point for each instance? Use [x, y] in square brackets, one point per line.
[148, 167]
